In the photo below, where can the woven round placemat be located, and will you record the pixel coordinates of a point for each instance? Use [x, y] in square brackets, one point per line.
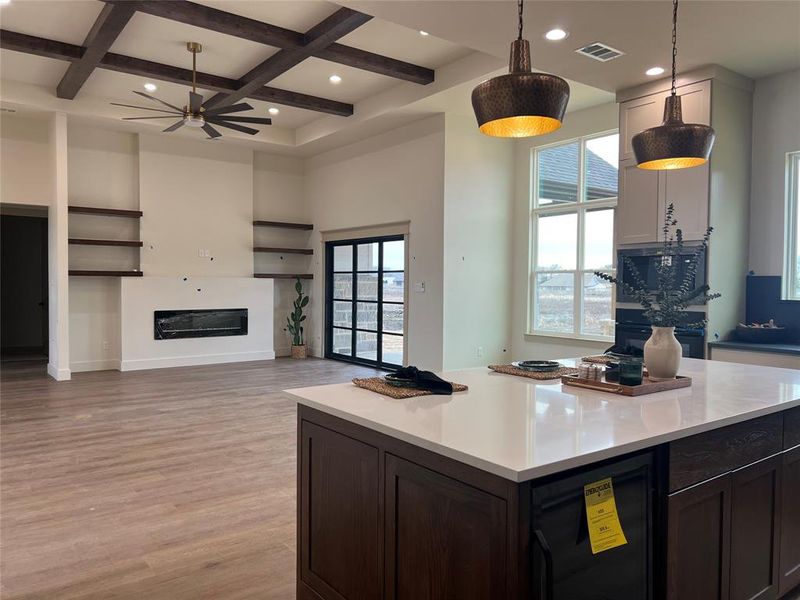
[379, 385]
[600, 359]
[512, 370]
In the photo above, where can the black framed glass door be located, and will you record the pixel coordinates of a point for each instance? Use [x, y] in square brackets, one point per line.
[365, 300]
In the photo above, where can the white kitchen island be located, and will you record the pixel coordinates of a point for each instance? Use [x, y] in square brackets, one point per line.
[498, 471]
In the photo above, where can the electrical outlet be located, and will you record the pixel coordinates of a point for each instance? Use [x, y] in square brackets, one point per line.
[200, 252]
[106, 345]
[480, 351]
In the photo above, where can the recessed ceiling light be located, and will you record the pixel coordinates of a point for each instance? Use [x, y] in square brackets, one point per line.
[555, 35]
[273, 111]
[150, 87]
[653, 71]
[335, 79]
[424, 33]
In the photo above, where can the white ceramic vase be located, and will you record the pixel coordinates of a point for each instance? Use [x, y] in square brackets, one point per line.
[662, 354]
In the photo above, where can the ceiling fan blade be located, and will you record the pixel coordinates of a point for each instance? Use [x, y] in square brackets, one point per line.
[232, 119]
[212, 133]
[142, 118]
[172, 106]
[172, 112]
[195, 102]
[174, 126]
[231, 108]
[234, 126]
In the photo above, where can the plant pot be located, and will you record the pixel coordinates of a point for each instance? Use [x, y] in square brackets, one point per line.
[300, 351]
[662, 354]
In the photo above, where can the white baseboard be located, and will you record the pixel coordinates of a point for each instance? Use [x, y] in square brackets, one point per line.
[81, 366]
[189, 361]
[58, 374]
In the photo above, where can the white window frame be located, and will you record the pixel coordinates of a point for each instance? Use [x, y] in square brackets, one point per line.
[791, 241]
[580, 207]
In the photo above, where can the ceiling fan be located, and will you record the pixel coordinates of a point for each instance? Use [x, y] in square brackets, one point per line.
[195, 114]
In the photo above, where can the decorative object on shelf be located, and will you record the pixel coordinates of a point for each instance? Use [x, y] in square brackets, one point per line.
[673, 144]
[195, 113]
[665, 306]
[295, 320]
[521, 103]
[762, 333]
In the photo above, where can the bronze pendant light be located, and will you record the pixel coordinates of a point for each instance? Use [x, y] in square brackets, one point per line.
[522, 103]
[673, 144]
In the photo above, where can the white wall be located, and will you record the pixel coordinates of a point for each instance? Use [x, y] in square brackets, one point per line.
[393, 177]
[140, 297]
[195, 195]
[278, 195]
[103, 171]
[584, 122]
[776, 131]
[478, 201]
[25, 159]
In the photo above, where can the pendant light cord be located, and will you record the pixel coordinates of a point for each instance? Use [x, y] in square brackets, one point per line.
[674, 41]
[519, 11]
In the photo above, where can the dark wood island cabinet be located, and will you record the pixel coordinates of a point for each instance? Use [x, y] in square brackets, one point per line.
[714, 515]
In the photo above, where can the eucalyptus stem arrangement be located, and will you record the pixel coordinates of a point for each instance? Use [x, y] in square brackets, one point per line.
[665, 307]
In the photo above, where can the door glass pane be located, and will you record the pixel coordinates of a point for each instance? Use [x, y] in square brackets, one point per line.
[341, 341]
[393, 317]
[367, 315]
[557, 242]
[394, 255]
[342, 258]
[598, 239]
[392, 346]
[597, 316]
[367, 286]
[342, 314]
[601, 160]
[368, 257]
[343, 287]
[367, 345]
[393, 287]
[557, 170]
[554, 302]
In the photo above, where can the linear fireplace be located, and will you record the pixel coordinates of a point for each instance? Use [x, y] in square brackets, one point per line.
[176, 324]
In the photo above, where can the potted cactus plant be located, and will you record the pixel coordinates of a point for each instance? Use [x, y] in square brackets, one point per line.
[295, 322]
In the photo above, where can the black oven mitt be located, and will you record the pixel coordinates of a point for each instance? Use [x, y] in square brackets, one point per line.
[426, 380]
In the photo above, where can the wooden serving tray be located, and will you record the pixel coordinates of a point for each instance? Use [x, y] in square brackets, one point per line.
[647, 386]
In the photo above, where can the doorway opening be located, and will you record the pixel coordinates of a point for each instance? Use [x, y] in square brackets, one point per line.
[23, 284]
[365, 304]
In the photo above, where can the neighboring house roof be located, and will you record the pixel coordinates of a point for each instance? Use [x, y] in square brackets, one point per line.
[558, 177]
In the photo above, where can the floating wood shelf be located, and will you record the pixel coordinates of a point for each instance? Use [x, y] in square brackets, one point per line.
[106, 273]
[284, 250]
[282, 225]
[283, 275]
[93, 242]
[108, 212]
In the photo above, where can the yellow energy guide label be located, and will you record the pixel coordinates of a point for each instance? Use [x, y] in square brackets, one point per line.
[605, 531]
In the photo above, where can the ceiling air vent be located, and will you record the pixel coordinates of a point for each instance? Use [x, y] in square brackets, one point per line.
[599, 51]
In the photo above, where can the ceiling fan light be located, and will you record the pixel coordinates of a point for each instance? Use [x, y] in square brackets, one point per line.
[194, 121]
[673, 144]
[522, 103]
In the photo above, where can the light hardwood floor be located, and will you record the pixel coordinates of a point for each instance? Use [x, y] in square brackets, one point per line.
[171, 484]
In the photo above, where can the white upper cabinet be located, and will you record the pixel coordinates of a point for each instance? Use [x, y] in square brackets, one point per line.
[637, 204]
[688, 191]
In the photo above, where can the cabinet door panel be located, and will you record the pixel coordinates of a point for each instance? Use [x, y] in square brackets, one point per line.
[637, 209]
[755, 520]
[698, 541]
[636, 116]
[688, 191]
[339, 515]
[696, 102]
[445, 540]
[790, 521]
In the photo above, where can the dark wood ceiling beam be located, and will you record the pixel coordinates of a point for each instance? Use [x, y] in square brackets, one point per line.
[339, 24]
[20, 42]
[107, 27]
[220, 21]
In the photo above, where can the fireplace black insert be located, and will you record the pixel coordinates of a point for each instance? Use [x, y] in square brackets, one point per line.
[214, 322]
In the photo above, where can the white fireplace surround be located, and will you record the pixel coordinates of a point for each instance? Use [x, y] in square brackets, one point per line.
[140, 297]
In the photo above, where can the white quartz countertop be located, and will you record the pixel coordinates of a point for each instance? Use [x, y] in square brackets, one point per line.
[521, 429]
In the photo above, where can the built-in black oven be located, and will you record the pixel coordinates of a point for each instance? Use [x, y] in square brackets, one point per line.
[645, 261]
[632, 331]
